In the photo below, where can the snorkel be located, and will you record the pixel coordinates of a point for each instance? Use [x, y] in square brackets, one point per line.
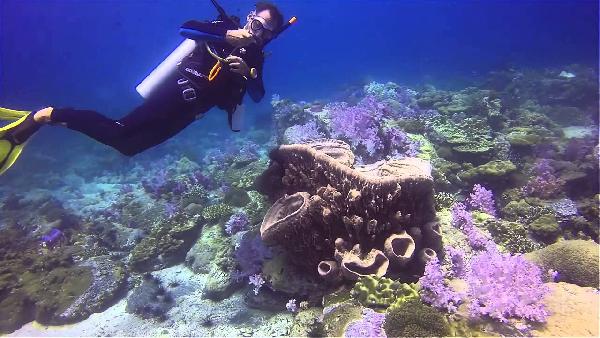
[285, 26]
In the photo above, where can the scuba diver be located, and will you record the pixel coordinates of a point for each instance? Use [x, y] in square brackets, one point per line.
[217, 63]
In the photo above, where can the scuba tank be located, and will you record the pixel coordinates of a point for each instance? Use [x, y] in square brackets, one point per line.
[169, 65]
[165, 68]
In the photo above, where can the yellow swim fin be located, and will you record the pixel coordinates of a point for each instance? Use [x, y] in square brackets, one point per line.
[11, 114]
[14, 136]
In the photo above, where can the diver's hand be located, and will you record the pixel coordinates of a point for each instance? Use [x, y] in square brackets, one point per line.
[239, 37]
[238, 65]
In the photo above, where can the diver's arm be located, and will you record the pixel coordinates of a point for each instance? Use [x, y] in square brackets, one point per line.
[204, 31]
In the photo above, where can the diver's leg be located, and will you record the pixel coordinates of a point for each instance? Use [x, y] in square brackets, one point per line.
[156, 131]
[158, 118]
[91, 123]
[146, 126]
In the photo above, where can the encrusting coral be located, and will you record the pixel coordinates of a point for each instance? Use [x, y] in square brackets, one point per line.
[327, 210]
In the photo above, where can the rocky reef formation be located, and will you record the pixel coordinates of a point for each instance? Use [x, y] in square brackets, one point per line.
[334, 218]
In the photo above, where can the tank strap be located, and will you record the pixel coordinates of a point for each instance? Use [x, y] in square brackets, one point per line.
[187, 91]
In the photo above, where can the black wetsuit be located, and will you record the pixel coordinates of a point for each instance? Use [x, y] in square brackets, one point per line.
[168, 111]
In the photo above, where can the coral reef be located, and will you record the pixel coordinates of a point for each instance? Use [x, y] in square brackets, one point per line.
[336, 318]
[48, 286]
[167, 244]
[382, 292]
[415, 319]
[150, 299]
[576, 261]
[332, 210]
[330, 236]
[502, 286]
[370, 325]
[545, 228]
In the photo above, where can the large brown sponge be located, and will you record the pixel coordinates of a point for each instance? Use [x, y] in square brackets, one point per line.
[322, 199]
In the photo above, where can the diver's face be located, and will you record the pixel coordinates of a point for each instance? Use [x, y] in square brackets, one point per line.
[260, 25]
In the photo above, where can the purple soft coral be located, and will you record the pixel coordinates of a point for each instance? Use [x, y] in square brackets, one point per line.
[357, 124]
[237, 222]
[544, 183]
[370, 325]
[502, 286]
[457, 258]
[462, 219]
[399, 145]
[302, 133]
[258, 281]
[434, 289]
[482, 199]
[250, 254]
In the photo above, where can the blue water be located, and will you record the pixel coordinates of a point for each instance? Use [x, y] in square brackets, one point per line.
[93, 53]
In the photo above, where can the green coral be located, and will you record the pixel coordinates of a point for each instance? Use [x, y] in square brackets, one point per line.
[471, 101]
[415, 319]
[212, 248]
[522, 211]
[336, 318]
[546, 228]
[511, 235]
[244, 175]
[468, 135]
[167, 243]
[236, 197]
[480, 217]
[289, 278]
[257, 207]
[491, 170]
[526, 136]
[195, 194]
[217, 212]
[444, 200]
[575, 261]
[426, 148]
[307, 323]
[342, 295]
[219, 284]
[382, 292]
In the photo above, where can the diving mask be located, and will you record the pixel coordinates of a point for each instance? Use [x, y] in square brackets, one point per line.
[257, 25]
